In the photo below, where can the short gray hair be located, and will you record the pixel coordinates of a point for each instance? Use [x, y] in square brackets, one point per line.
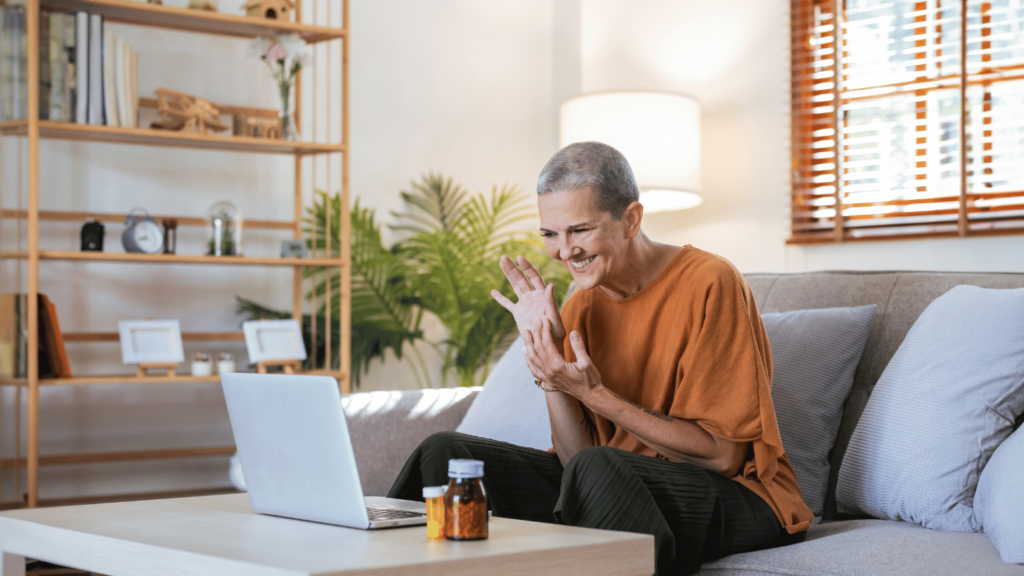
[592, 165]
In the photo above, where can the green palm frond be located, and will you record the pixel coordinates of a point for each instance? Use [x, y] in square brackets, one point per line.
[384, 308]
[457, 267]
[435, 204]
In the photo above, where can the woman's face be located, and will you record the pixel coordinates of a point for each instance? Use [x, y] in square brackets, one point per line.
[591, 244]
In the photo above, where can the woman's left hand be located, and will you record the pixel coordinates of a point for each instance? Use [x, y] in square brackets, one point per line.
[579, 379]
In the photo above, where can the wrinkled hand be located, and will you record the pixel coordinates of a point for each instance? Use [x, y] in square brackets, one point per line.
[536, 301]
[546, 363]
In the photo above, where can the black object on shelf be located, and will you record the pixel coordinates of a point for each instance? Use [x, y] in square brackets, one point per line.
[92, 236]
[170, 235]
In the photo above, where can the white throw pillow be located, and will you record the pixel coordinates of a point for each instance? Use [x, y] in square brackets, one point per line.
[946, 400]
[510, 408]
[999, 502]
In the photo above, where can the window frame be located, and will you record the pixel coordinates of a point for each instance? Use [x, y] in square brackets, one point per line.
[818, 150]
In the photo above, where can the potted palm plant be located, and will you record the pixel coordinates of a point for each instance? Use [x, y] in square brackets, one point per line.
[444, 266]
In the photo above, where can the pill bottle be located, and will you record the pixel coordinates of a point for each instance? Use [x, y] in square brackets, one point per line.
[434, 497]
[465, 502]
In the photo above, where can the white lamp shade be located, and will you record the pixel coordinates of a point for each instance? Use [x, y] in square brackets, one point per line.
[658, 133]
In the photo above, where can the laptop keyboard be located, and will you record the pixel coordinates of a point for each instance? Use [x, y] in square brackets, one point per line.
[377, 514]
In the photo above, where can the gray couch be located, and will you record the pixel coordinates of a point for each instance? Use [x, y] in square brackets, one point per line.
[387, 426]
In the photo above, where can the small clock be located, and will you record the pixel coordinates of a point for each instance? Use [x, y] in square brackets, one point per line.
[142, 233]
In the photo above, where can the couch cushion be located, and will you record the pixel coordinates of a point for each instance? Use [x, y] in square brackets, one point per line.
[998, 502]
[510, 408]
[900, 296]
[872, 548]
[815, 354]
[947, 399]
[386, 427]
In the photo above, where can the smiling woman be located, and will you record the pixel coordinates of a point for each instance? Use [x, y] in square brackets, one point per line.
[657, 376]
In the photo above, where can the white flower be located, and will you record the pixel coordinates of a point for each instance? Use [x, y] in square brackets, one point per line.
[277, 53]
[257, 49]
[294, 46]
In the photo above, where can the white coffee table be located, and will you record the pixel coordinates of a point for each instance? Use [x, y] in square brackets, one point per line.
[221, 535]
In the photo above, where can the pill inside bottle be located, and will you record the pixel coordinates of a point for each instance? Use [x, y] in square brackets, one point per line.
[465, 502]
[434, 497]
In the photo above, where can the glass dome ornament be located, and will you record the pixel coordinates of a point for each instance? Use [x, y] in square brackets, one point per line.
[224, 233]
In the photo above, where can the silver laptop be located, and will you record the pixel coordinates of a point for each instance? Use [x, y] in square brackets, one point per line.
[297, 456]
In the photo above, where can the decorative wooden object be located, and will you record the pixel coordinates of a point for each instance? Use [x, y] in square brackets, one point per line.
[316, 158]
[187, 113]
[144, 368]
[289, 366]
[257, 126]
[269, 9]
[210, 5]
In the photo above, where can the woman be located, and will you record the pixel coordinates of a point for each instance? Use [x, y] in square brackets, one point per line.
[657, 376]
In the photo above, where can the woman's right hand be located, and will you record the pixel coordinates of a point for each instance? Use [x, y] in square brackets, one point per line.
[536, 300]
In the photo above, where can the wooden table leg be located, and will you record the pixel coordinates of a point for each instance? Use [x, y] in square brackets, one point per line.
[12, 565]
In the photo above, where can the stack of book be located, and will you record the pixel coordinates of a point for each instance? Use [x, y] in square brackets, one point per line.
[53, 358]
[87, 74]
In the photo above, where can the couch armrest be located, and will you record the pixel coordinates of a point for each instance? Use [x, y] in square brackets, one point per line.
[387, 426]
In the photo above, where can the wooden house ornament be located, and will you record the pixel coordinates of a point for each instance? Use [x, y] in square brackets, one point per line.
[270, 9]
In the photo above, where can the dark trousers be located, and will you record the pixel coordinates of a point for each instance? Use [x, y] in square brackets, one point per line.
[694, 515]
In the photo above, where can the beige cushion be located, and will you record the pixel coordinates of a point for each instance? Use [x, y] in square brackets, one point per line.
[872, 548]
[387, 426]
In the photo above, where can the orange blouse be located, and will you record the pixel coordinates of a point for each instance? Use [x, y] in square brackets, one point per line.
[691, 345]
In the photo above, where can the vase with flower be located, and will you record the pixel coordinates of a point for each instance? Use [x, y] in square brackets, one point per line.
[285, 54]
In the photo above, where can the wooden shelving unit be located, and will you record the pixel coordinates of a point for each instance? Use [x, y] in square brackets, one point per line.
[147, 137]
[307, 155]
[176, 259]
[158, 16]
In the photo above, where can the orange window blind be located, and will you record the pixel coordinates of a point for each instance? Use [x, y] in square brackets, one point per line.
[907, 118]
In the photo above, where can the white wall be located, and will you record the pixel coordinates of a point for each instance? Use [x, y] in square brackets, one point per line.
[732, 55]
[460, 87]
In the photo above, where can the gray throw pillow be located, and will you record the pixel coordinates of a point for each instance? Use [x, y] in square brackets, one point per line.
[946, 400]
[998, 503]
[510, 407]
[815, 354]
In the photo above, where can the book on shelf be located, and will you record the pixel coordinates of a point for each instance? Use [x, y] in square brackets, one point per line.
[95, 69]
[52, 339]
[53, 357]
[10, 338]
[45, 79]
[70, 73]
[13, 63]
[82, 67]
[62, 67]
[110, 100]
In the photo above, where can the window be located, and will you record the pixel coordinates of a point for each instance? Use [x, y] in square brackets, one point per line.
[893, 136]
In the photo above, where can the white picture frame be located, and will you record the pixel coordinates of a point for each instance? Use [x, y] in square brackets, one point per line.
[271, 340]
[150, 341]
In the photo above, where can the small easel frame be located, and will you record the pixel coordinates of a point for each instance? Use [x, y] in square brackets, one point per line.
[160, 350]
[143, 368]
[289, 366]
[274, 343]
